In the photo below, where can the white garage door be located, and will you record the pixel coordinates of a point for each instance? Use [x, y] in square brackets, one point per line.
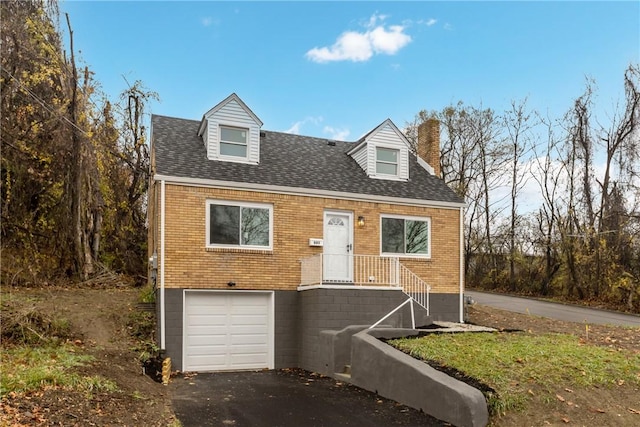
[227, 331]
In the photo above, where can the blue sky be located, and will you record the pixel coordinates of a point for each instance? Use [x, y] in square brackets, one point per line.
[338, 69]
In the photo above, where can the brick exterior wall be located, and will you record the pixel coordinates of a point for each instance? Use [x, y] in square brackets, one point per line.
[296, 219]
[429, 144]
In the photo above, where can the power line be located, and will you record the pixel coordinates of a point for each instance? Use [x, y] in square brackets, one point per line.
[47, 107]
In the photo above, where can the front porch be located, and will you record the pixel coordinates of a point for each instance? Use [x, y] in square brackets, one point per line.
[362, 272]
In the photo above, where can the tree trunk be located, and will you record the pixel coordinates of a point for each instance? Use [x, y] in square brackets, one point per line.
[82, 249]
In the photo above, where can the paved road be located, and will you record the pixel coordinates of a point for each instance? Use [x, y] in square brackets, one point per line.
[570, 313]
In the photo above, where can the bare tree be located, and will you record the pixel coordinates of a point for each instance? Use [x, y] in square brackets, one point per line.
[518, 123]
[548, 176]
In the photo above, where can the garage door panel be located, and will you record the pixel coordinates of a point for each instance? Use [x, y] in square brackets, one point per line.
[248, 330]
[227, 331]
[204, 361]
[245, 359]
[208, 329]
[261, 339]
[198, 331]
[250, 321]
[207, 319]
[205, 350]
[248, 307]
[249, 299]
[203, 340]
[204, 307]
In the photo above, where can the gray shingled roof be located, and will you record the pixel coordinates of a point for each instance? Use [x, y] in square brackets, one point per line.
[286, 160]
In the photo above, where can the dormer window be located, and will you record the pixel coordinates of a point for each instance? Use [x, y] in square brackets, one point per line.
[387, 161]
[231, 132]
[383, 153]
[233, 141]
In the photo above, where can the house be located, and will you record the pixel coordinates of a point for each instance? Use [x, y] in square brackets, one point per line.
[259, 240]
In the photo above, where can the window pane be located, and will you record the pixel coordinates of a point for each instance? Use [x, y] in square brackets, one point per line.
[417, 237]
[387, 168]
[387, 155]
[233, 135]
[255, 226]
[233, 150]
[392, 235]
[225, 224]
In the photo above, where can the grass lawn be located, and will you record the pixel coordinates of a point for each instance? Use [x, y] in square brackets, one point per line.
[520, 365]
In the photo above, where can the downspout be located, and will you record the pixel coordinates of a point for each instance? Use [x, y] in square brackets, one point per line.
[162, 302]
[461, 237]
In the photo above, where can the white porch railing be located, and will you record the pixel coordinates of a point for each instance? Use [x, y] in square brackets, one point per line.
[359, 270]
[364, 270]
[414, 286]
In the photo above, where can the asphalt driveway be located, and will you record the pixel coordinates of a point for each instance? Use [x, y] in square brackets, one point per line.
[284, 398]
[566, 312]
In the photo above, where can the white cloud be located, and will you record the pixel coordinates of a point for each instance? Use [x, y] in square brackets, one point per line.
[336, 133]
[361, 46]
[431, 22]
[389, 42]
[374, 20]
[295, 128]
[448, 26]
[206, 21]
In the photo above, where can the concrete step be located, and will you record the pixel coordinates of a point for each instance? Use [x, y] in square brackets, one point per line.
[342, 377]
[347, 370]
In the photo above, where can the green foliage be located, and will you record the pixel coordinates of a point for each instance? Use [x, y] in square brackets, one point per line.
[61, 150]
[35, 151]
[142, 327]
[512, 363]
[27, 368]
[147, 294]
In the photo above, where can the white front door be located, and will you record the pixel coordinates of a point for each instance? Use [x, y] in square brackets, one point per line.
[338, 247]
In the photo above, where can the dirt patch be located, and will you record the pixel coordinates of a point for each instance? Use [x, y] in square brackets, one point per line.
[615, 405]
[613, 337]
[99, 324]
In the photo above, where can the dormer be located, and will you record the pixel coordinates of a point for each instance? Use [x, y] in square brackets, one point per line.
[383, 153]
[230, 132]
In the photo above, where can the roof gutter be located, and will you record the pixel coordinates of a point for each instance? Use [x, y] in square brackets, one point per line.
[308, 192]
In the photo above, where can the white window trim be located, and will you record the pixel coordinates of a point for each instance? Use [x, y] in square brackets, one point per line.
[410, 218]
[241, 205]
[246, 144]
[397, 162]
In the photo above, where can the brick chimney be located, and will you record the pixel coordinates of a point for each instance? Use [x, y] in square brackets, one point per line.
[429, 144]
